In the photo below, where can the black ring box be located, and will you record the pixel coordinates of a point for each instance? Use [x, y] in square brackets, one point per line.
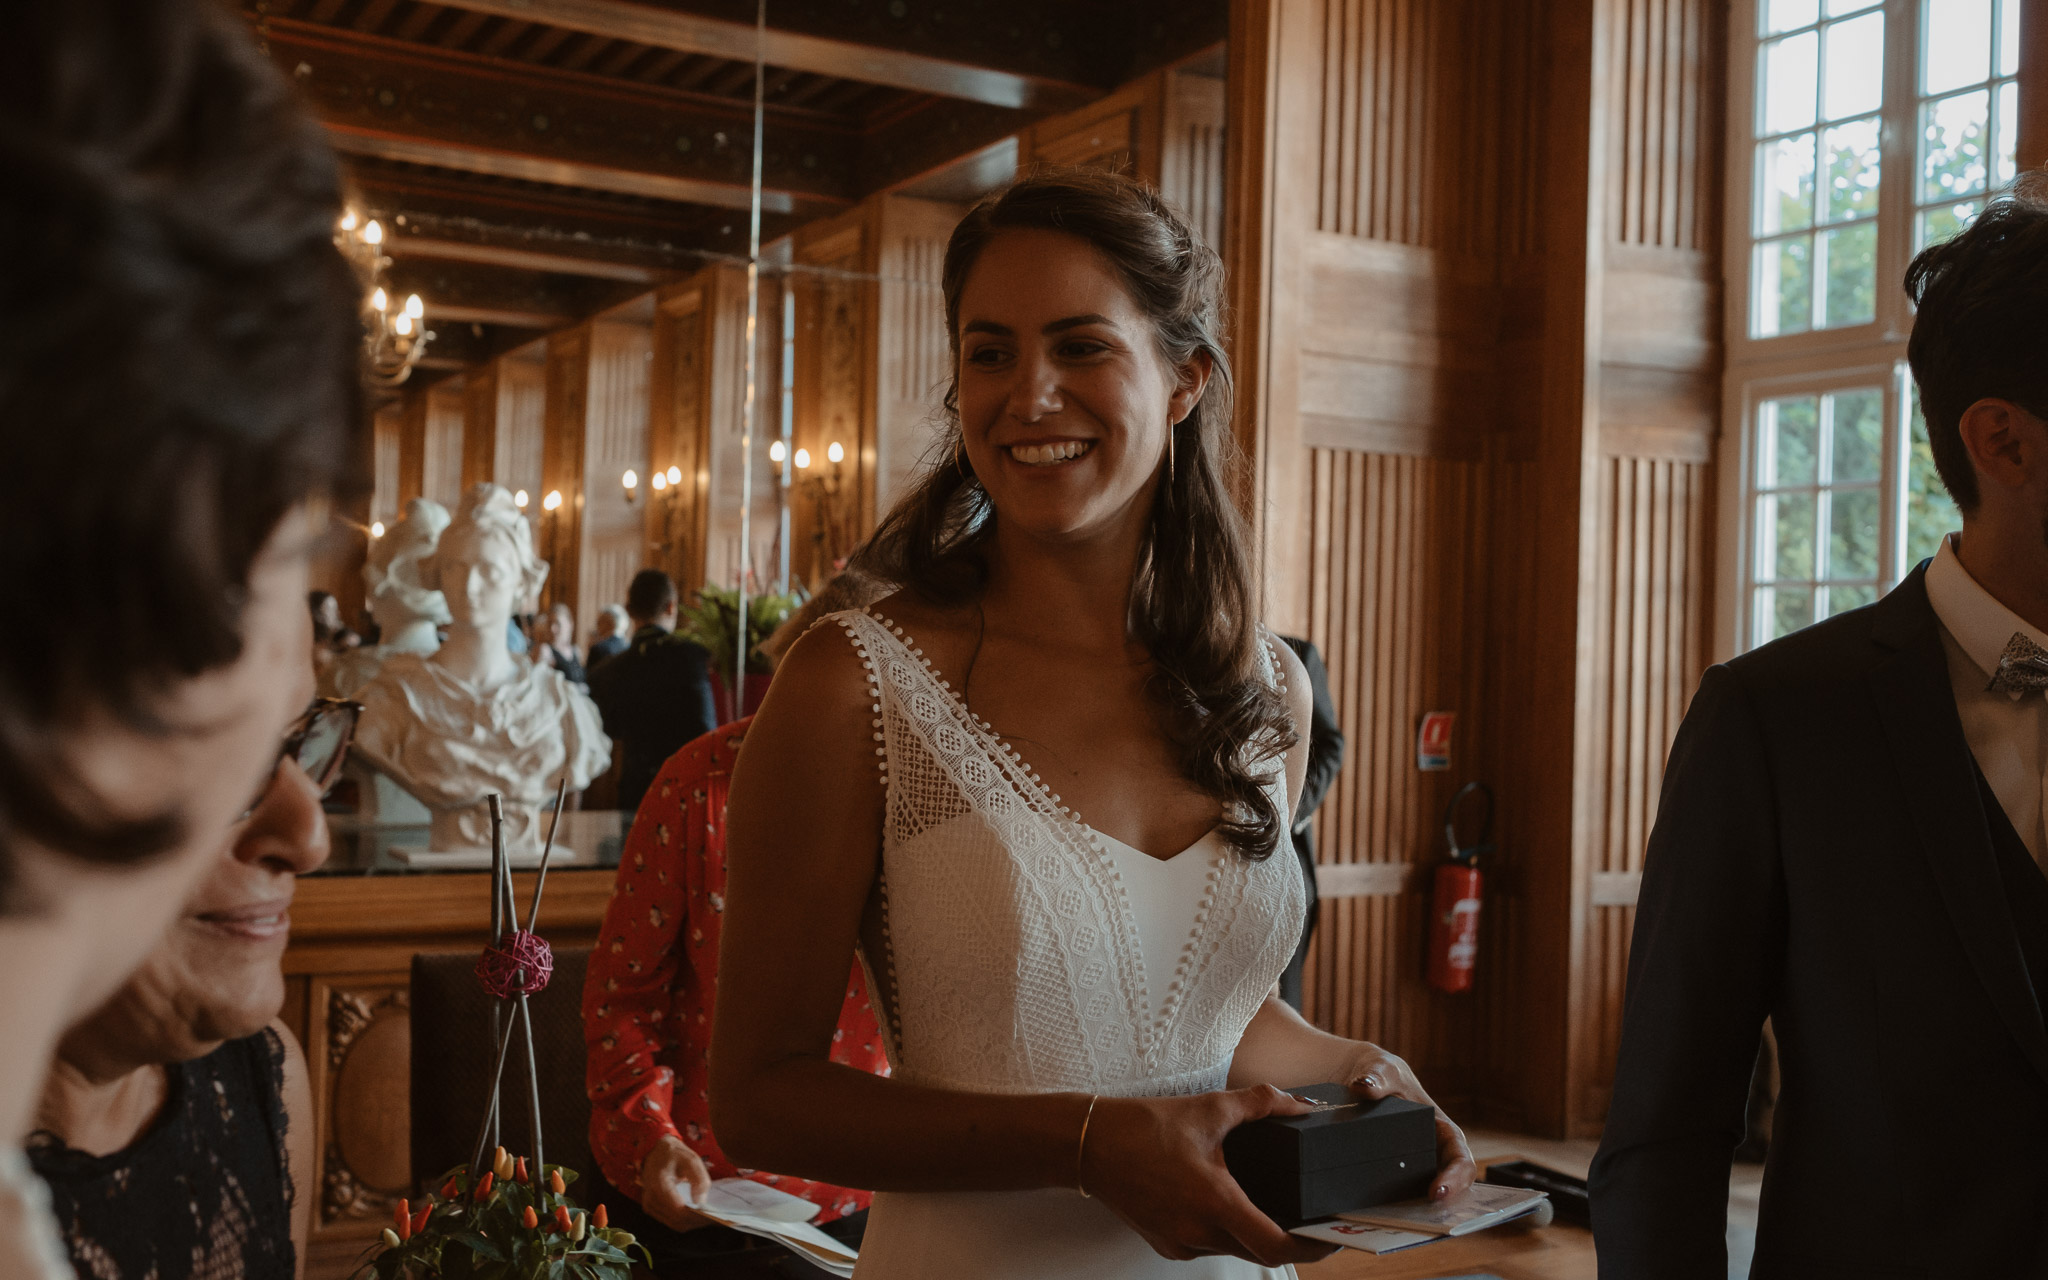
[1347, 1154]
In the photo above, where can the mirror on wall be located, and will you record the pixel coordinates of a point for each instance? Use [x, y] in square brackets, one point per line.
[680, 262]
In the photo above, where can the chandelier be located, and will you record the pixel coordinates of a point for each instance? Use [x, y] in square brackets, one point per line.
[394, 338]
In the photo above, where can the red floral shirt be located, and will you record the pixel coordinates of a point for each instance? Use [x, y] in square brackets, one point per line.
[647, 1004]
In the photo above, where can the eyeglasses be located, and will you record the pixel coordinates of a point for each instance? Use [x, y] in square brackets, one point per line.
[317, 742]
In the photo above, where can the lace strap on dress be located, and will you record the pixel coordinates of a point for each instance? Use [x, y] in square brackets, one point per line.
[849, 621]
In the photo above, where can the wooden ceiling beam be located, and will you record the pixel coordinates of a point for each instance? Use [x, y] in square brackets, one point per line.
[897, 68]
[505, 317]
[562, 173]
[425, 105]
[404, 246]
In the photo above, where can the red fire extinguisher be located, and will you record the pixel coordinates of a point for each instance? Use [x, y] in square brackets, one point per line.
[1454, 914]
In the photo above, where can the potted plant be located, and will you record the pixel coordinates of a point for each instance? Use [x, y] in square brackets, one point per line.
[712, 620]
[503, 1225]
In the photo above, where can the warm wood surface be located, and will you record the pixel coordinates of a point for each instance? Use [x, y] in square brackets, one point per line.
[1555, 1252]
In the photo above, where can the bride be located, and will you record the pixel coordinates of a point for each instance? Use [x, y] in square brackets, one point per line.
[1041, 789]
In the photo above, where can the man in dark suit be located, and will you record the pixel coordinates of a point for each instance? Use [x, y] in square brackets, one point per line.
[1325, 757]
[656, 695]
[1850, 842]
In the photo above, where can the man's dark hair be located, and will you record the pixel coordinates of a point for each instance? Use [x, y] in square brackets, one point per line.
[1982, 327]
[650, 595]
[179, 368]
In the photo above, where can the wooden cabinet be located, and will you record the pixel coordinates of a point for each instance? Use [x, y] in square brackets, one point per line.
[347, 974]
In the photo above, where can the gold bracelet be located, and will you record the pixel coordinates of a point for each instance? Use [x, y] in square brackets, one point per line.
[1081, 1148]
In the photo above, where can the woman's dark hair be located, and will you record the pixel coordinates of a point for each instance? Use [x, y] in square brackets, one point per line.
[1982, 325]
[1194, 606]
[179, 368]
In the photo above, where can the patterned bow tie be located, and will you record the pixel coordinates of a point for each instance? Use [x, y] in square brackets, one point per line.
[2022, 668]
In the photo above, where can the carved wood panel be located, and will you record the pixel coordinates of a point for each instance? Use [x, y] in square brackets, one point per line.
[614, 440]
[358, 1056]
[441, 445]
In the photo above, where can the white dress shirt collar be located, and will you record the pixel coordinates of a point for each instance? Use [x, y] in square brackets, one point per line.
[1981, 626]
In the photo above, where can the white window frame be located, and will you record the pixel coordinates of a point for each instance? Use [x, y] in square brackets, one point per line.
[1819, 360]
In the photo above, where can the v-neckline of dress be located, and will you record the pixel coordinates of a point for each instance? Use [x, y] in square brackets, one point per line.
[1041, 792]
[1154, 1027]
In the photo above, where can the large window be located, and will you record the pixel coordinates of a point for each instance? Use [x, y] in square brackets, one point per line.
[1863, 131]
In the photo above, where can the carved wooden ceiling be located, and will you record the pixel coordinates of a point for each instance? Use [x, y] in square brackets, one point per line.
[541, 160]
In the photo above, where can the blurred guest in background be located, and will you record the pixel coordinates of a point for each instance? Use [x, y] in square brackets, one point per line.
[614, 633]
[655, 696]
[326, 612]
[176, 1128]
[557, 648]
[179, 405]
[1325, 758]
[649, 994]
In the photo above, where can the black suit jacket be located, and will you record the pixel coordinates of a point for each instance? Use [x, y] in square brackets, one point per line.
[655, 697]
[1823, 855]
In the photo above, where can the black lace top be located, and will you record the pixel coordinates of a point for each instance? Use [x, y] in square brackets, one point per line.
[204, 1194]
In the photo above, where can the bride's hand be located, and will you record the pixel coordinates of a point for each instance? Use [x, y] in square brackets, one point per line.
[1158, 1164]
[1375, 1073]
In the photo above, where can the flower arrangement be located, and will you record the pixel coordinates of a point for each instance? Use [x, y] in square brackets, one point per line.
[503, 1226]
[493, 1220]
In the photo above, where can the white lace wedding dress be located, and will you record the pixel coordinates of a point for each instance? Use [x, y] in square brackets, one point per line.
[1024, 952]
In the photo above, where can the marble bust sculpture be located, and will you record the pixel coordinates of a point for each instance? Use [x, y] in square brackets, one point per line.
[407, 613]
[470, 719]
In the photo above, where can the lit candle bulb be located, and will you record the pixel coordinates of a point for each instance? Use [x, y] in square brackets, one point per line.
[776, 453]
[631, 479]
[553, 500]
[675, 475]
[402, 325]
[380, 301]
[373, 233]
[519, 499]
[414, 307]
[348, 220]
[376, 528]
[659, 480]
[803, 459]
[834, 453]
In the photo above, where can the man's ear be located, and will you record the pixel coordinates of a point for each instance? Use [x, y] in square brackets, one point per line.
[2007, 445]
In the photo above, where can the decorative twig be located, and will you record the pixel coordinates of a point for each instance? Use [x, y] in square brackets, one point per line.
[540, 882]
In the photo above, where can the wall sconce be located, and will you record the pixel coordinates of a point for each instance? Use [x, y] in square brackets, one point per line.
[630, 482]
[669, 486]
[829, 536]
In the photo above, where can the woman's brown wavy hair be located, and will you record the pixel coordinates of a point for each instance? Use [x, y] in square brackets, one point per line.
[1194, 605]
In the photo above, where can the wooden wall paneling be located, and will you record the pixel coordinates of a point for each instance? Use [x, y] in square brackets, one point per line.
[614, 542]
[838, 318]
[387, 429]
[522, 419]
[2033, 132]
[725, 365]
[441, 445]
[480, 424]
[677, 422]
[563, 453]
[412, 447]
[1123, 132]
[913, 357]
[1192, 149]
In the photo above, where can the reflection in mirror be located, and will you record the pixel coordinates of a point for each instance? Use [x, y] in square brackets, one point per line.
[574, 192]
